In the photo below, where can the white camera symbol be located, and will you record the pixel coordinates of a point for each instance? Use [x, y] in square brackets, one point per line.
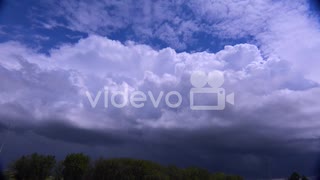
[215, 79]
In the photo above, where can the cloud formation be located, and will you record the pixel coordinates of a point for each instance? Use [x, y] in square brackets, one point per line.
[274, 76]
[275, 112]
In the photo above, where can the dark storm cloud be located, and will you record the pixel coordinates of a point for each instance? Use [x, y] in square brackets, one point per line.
[68, 133]
[232, 150]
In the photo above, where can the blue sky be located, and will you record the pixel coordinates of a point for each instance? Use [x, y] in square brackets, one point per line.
[53, 52]
[30, 17]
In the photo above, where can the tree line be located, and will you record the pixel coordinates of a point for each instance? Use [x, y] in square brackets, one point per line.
[78, 166]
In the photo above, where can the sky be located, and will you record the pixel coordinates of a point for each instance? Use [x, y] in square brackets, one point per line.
[53, 52]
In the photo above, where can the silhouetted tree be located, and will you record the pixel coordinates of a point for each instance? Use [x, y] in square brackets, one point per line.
[33, 167]
[124, 168]
[304, 178]
[75, 166]
[229, 177]
[218, 176]
[294, 176]
[175, 173]
[193, 173]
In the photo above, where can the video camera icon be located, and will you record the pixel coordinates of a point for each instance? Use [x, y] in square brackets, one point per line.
[215, 80]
